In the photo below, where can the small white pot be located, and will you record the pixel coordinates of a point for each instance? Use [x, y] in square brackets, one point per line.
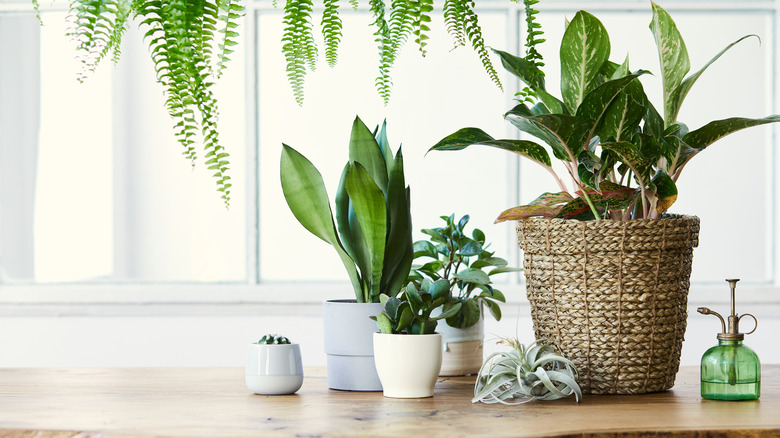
[408, 365]
[274, 369]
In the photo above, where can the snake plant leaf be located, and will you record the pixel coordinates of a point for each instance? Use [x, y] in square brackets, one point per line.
[304, 191]
[679, 93]
[595, 104]
[673, 58]
[584, 49]
[525, 71]
[349, 228]
[364, 149]
[384, 146]
[473, 276]
[665, 190]
[565, 134]
[399, 249]
[466, 137]
[371, 210]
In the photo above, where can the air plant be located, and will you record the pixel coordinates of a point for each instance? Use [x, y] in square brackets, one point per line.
[270, 339]
[523, 374]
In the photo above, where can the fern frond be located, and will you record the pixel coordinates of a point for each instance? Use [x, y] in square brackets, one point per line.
[422, 10]
[331, 30]
[383, 82]
[37, 10]
[392, 33]
[230, 11]
[454, 18]
[180, 35]
[97, 26]
[355, 4]
[532, 39]
[474, 35]
[299, 47]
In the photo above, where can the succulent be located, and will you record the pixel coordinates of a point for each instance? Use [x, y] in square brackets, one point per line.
[412, 313]
[270, 339]
[536, 372]
[462, 261]
[372, 233]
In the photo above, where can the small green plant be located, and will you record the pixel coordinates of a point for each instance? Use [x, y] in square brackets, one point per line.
[372, 233]
[273, 340]
[536, 372]
[466, 264]
[411, 314]
[622, 157]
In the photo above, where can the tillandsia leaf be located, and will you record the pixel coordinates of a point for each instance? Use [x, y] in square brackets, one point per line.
[611, 196]
[665, 191]
[673, 58]
[584, 49]
[466, 137]
[371, 210]
[565, 134]
[304, 191]
[679, 93]
[547, 205]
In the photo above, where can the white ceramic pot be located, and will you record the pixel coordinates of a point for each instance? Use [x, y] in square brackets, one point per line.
[462, 349]
[408, 365]
[349, 345]
[274, 369]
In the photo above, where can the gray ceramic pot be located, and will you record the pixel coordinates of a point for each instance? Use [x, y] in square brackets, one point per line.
[349, 345]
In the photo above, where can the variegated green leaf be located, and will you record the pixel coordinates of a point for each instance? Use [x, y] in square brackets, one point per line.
[679, 93]
[466, 137]
[665, 190]
[547, 205]
[611, 197]
[584, 49]
[565, 134]
[672, 55]
[630, 155]
[595, 104]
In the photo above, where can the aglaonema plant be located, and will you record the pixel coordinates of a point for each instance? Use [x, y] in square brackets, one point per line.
[622, 157]
[412, 312]
[466, 264]
[372, 231]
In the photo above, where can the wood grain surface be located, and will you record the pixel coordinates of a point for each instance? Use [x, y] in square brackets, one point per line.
[213, 402]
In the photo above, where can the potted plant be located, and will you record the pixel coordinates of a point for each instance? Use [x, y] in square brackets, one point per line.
[523, 374]
[607, 269]
[372, 235]
[274, 366]
[407, 348]
[468, 266]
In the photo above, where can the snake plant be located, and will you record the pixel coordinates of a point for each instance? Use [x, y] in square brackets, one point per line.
[466, 264]
[395, 21]
[189, 42]
[372, 232]
[411, 314]
[536, 372]
[623, 158]
[271, 339]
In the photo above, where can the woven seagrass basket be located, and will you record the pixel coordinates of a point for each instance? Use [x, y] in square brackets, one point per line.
[612, 296]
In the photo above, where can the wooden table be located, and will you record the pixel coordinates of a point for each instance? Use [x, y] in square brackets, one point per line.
[211, 402]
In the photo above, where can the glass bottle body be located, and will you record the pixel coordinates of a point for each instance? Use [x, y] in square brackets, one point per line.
[730, 371]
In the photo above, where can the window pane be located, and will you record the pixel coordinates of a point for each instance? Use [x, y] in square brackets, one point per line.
[114, 200]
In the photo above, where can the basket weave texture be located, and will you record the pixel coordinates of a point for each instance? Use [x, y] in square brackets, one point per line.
[612, 296]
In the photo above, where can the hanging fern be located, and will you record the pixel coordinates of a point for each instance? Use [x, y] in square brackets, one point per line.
[299, 47]
[331, 30]
[394, 25]
[532, 39]
[181, 35]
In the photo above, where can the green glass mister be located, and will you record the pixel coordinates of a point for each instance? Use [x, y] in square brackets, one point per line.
[730, 370]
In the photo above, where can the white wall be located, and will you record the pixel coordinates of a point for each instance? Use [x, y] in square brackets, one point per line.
[218, 335]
